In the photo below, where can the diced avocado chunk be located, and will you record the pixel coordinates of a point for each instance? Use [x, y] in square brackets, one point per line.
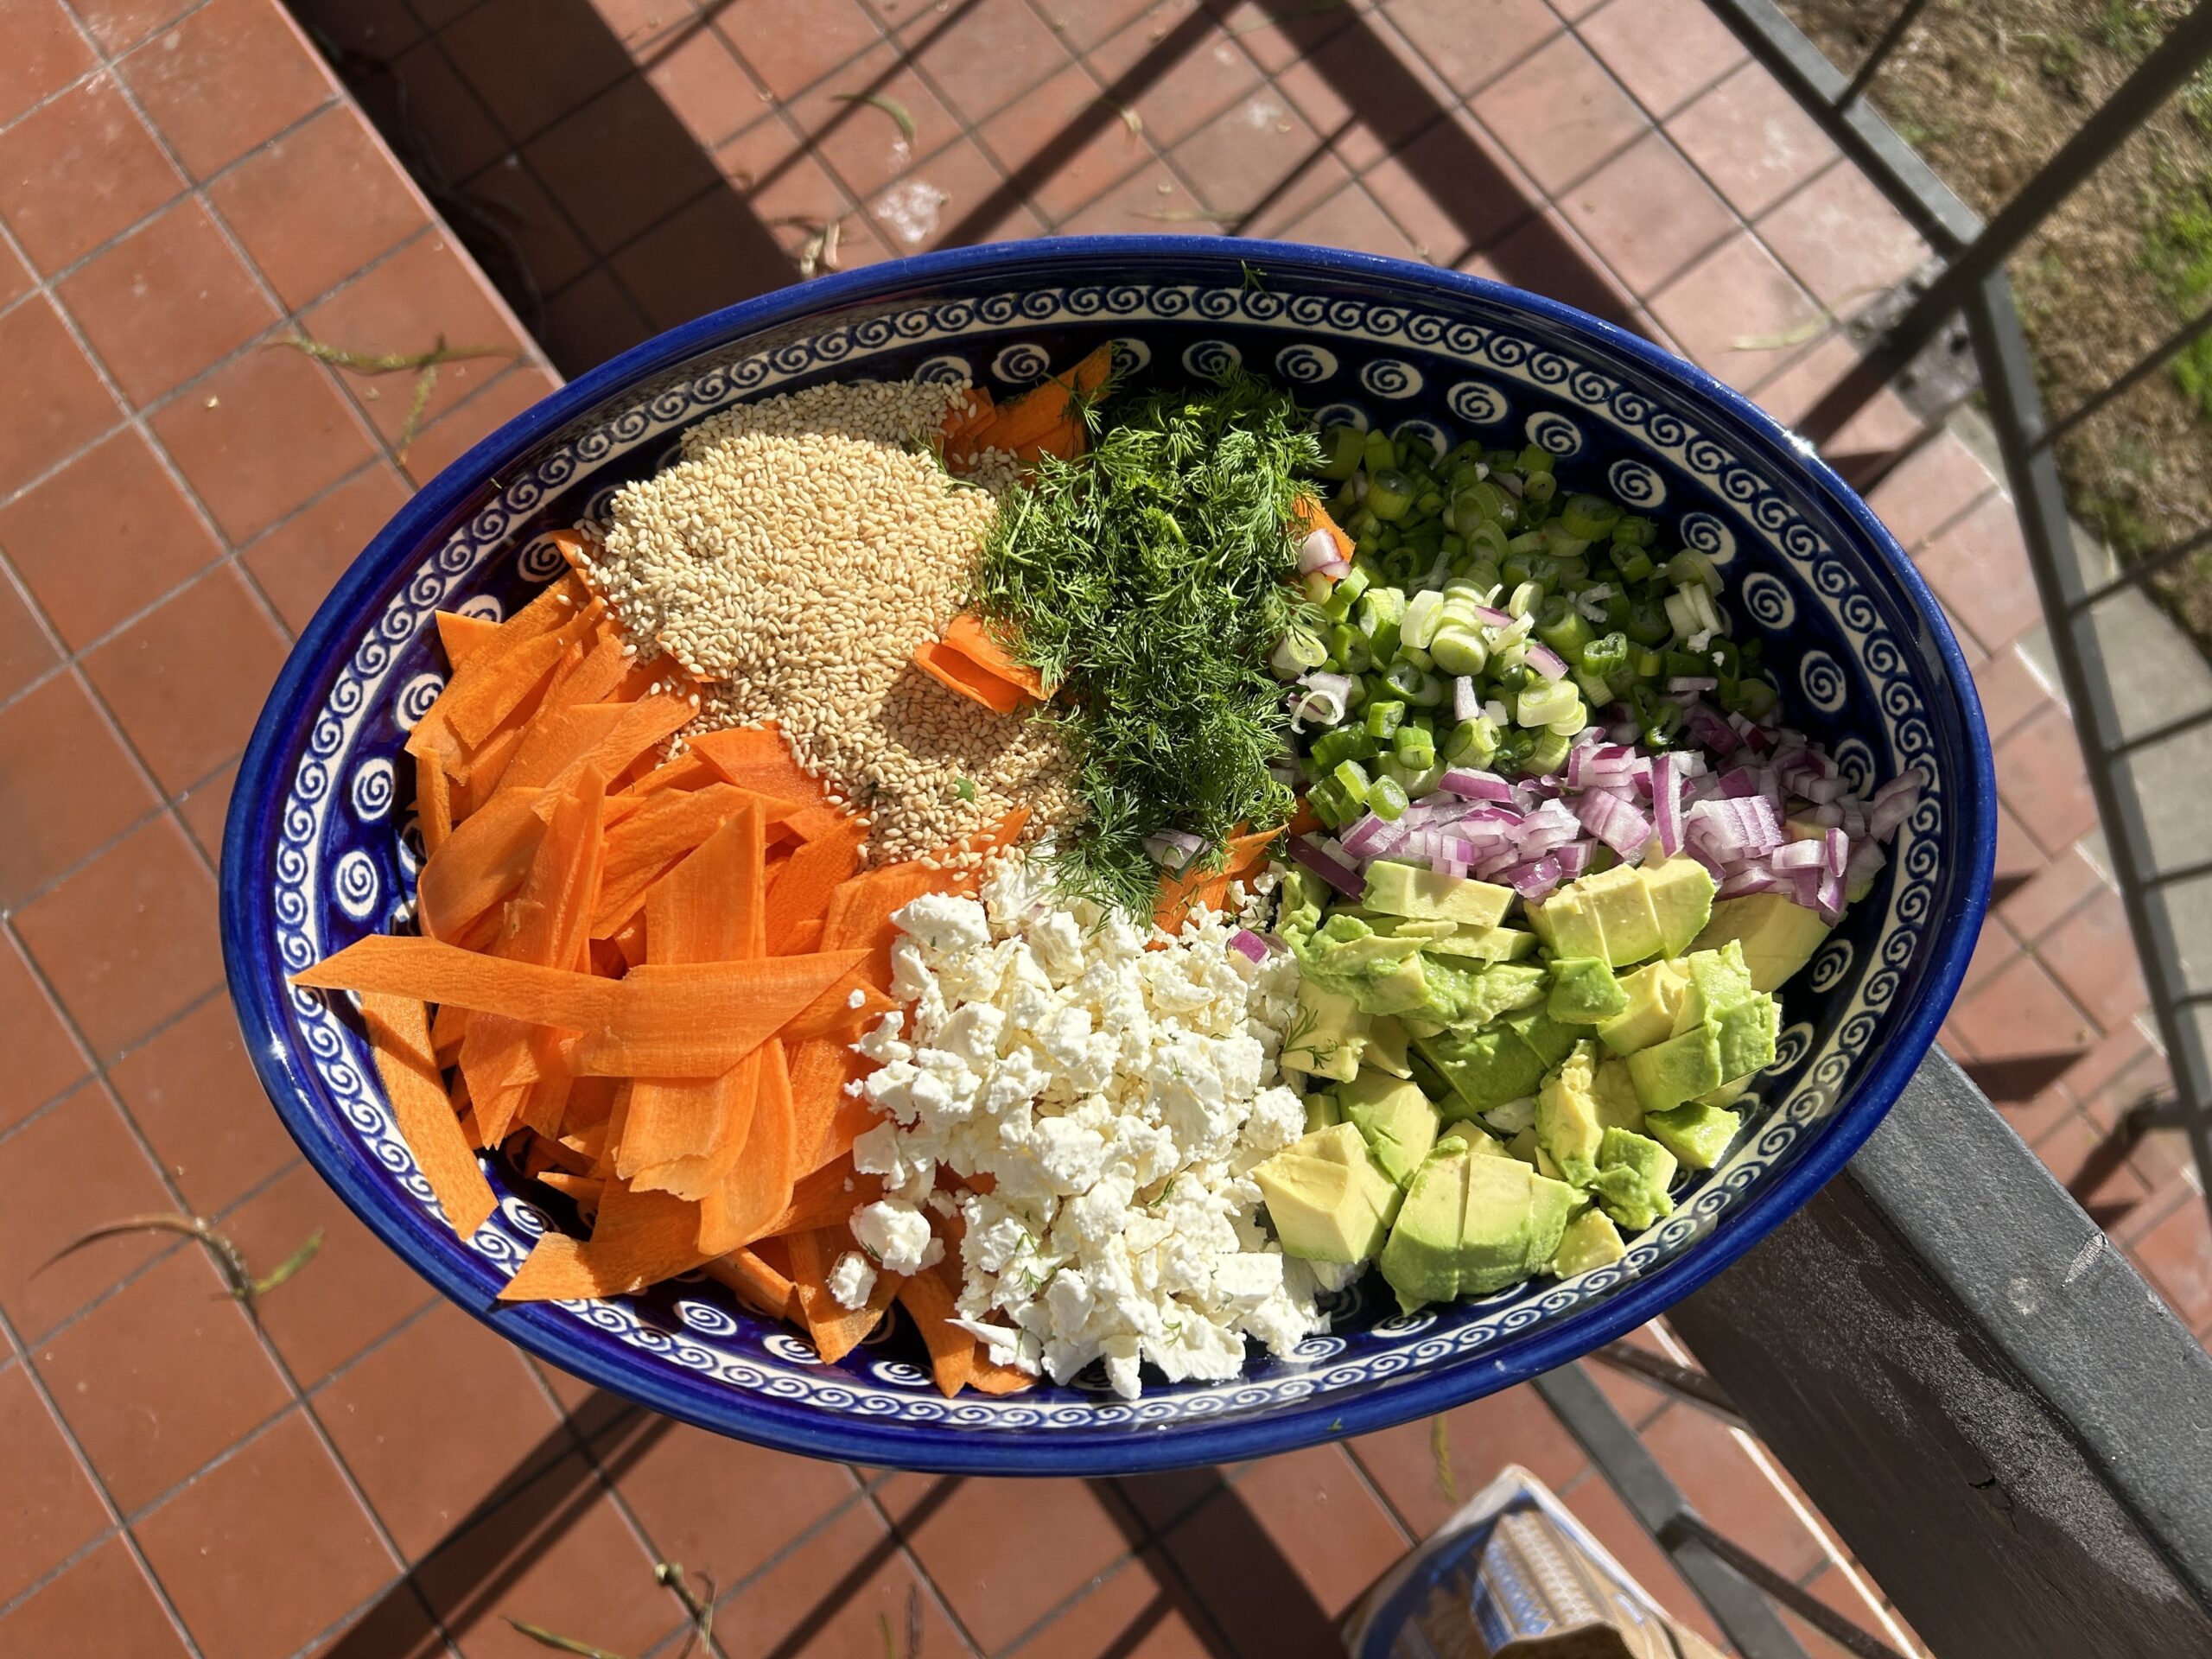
[1552, 1041]
[1401, 927]
[1654, 997]
[1590, 1241]
[1524, 1144]
[1386, 1045]
[1778, 935]
[1327, 1034]
[1621, 902]
[1566, 925]
[1500, 989]
[1746, 1035]
[1634, 1172]
[1617, 1106]
[1498, 1225]
[1718, 981]
[1680, 1069]
[1697, 1134]
[1681, 892]
[1726, 1095]
[1421, 1259]
[1328, 1199]
[1486, 943]
[1483, 1146]
[1322, 1111]
[1299, 904]
[1397, 1119]
[1551, 1204]
[1484, 1068]
[1584, 992]
[1408, 890]
[1567, 1117]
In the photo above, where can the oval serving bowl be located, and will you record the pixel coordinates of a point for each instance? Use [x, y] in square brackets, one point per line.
[321, 846]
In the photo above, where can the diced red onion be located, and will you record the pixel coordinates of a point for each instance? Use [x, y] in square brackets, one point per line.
[1547, 662]
[1324, 701]
[1614, 821]
[1535, 878]
[1892, 804]
[1754, 880]
[1449, 867]
[1822, 791]
[1475, 786]
[1799, 856]
[1667, 803]
[1737, 785]
[1866, 861]
[1496, 617]
[1173, 849]
[1466, 701]
[1573, 859]
[1249, 945]
[1734, 829]
[1318, 555]
[1829, 899]
[1369, 837]
[1839, 850]
[1309, 851]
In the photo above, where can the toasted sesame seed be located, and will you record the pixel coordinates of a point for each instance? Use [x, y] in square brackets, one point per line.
[791, 561]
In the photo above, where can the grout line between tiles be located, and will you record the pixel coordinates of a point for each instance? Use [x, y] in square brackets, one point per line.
[872, 1496]
[92, 1476]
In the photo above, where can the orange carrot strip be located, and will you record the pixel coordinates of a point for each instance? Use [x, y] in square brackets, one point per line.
[803, 890]
[684, 1135]
[835, 1330]
[649, 842]
[1049, 407]
[570, 544]
[756, 1187]
[590, 1100]
[854, 1118]
[758, 1285]
[930, 1300]
[551, 744]
[859, 912]
[641, 727]
[687, 771]
[593, 679]
[638, 1239]
[825, 1196]
[1180, 895]
[446, 974]
[399, 1038]
[488, 688]
[462, 635]
[545, 923]
[551, 1152]
[433, 803]
[999, 1379]
[966, 634]
[962, 677]
[586, 1191]
[834, 1016]
[803, 936]
[756, 758]
[699, 1020]
[480, 864]
[691, 1020]
[633, 941]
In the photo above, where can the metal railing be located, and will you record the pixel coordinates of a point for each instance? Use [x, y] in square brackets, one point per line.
[1969, 280]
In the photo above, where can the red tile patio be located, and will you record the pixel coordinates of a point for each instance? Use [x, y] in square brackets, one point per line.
[185, 183]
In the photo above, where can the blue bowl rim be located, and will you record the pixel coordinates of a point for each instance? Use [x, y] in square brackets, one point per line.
[546, 1332]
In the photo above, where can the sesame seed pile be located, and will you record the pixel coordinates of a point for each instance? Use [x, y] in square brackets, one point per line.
[791, 561]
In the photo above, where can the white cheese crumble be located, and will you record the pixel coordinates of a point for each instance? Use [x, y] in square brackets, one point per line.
[852, 1280]
[1118, 1097]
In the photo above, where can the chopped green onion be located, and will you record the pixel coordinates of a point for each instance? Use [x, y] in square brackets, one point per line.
[1386, 797]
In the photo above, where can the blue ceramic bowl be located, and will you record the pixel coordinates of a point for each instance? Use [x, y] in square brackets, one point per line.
[321, 846]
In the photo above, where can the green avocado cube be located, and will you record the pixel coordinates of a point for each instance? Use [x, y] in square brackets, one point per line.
[1566, 924]
[1746, 1035]
[1584, 991]
[1654, 997]
[1718, 981]
[1322, 1112]
[1498, 1224]
[1697, 1134]
[1395, 1117]
[1420, 1258]
[1386, 1045]
[1484, 1068]
[1328, 1200]
[1552, 1041]
[1680, 1069]
[1567, 1117]
[1552, 1204]
[1499, 988]
[1680, 890]
[1327, 1034]
[1589, 1241]
[1408, 890]
[1633, 1174]
[1615, 1089]
[1486, 943]
[1621, 902]
[1777, 935]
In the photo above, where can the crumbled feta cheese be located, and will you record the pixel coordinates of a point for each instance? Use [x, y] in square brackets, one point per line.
[1116, 1085]
[898, 1235]
[851, 1279]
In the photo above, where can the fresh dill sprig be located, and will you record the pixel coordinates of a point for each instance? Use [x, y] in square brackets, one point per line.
[1148, 578]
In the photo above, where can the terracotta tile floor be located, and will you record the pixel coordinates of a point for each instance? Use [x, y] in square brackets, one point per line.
[184, 184]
